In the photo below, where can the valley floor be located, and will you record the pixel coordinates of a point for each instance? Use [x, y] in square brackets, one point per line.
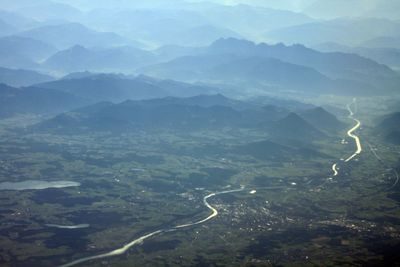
[293, 211]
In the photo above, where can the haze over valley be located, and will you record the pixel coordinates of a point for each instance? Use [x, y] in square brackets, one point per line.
[199, 133]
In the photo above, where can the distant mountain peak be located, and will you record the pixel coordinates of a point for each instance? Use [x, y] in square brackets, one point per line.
[320, 110]
[78, 47]
[22, 77]
[145, 78]
[295, 127]
[322, 119]
[232, 42]
[78, 75]
[293, 117]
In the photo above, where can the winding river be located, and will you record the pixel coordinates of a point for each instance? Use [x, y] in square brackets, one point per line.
[138, 241]
[351, 134]
[335, 169]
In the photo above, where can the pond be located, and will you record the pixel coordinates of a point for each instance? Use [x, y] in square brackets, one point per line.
[36, 185]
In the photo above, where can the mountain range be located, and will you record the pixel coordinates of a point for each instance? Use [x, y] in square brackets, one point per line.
[116, 88]
[32, 100]
[21, 52]
[17, 21]
[69, 34]
[388, 56]
[192, 24]
[347, 31]
[20, 77]
[79, 58]
[6, 29]
[212, 111]
[49, 11]
[335, 65]
[294, 127]
[324, 120]
[279, 67]
[389, 128]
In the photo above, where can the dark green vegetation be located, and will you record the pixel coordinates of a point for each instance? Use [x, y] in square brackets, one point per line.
[389, 128]
[137, 177]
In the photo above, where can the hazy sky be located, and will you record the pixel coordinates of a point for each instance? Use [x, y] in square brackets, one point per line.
[296, 5]
[329, 8]
[325, 9]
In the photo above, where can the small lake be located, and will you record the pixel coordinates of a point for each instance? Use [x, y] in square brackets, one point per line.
[36, 185]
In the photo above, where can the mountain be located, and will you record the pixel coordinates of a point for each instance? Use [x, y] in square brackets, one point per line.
[16, 60]
[106, 87]
[269, 73]
[205, 101]
[20, 52]
[31, 100]
[393, 137]
[78, 75]
[383, 55]
[78, 58]
[334, 64]
[170, 52]
[390, 122]
[123, 4]
[6, 29]
[385, 9]
[158, 26]
[131, 115]
[353, 8]
[187, 68]
[294, 127]
[282, 105]
[116, 88]
[347, 31]
[322, 120]
[191, 113]
[387, 56]
[192, 24]
[49, 11]
[67, 35]
[253, 114]
[332, 47]
[389, 128]
[19, 77]
[13, 5]
[250, 20]
[338, 8]
[17, 21]
[383, 41]
[202, 35]
[178, 89]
